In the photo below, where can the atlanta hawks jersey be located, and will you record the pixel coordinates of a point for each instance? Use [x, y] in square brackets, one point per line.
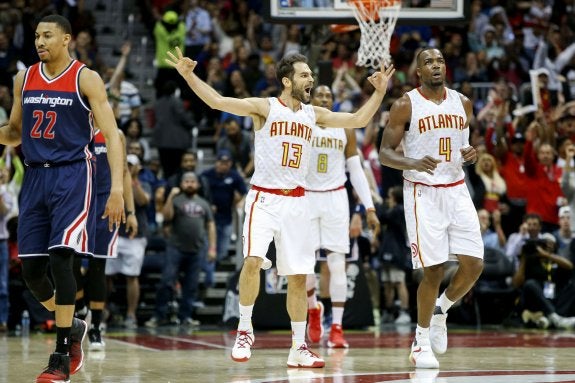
[103, 176]
[327, 163]
[57, 124]
[283, 147]
[436, 130]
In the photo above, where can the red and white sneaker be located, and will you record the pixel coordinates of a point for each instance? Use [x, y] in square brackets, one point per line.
[77, 335]
[422, 356]
[304, 357]
[242, 350]
[57, 371]
[314, 323]
[336, 339]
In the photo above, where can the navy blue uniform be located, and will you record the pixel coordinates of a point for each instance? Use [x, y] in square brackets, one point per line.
[57, 134]
[106, 242]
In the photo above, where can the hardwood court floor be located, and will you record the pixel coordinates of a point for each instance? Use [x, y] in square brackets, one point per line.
[174, 355]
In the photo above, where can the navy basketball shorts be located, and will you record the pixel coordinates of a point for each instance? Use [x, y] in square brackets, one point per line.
[55, 205]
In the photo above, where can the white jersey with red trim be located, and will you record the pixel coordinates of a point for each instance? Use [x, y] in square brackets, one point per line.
[436, 130]
[327, 163]
[282, 147]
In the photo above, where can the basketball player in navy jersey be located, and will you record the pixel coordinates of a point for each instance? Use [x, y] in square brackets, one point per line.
[432, 124]
[103, 244]
[56, 103]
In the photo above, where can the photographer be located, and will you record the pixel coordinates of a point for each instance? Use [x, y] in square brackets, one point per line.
[541, 278]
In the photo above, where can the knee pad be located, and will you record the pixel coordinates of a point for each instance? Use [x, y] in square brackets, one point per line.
[338, 277]
[62, 266]
[34, 273]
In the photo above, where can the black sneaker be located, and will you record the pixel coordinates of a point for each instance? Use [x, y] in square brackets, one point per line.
[77, 335]
[95, 340]
[58, 370]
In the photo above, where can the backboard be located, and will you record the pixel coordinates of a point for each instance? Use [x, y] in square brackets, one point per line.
[339, 12]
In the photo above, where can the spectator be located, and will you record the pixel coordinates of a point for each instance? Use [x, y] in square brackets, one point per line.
[544, 195]
[84, 49]
[7, 203]
[568, 184]
[129, 97]
[493, 239]
[169, 33]
[198, 28]
[172, 132]
[191, 221]
[268, 85]
[227, 191]
[133, 131]
[529, 229]
[538, 278]
[493, 184]
[239, 143]
[395, 256]
[563, 235]
[131, 251]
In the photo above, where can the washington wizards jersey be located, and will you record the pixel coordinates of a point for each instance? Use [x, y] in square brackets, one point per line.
[57, 123]
[103, 175]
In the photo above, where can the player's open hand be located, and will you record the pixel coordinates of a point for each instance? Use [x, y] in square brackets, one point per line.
[114, 210]
[184, 65]
[380, 79]
[426, 164]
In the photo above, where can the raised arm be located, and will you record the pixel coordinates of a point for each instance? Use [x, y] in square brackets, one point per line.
[363, 115]
[240, 107]
[11, 131]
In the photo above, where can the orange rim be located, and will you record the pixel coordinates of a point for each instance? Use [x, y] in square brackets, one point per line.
[343, 28]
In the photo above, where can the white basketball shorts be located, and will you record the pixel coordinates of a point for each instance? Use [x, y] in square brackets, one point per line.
[440, 221]
[285, 220]
[329, 213]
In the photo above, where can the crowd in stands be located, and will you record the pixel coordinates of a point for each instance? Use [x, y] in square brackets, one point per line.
[514, 59]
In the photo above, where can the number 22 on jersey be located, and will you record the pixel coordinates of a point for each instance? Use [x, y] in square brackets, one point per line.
[41, 129]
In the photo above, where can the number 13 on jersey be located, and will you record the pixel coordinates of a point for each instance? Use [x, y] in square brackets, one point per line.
[291, 156]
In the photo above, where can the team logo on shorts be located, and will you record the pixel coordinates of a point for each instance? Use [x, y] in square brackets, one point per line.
[414, 250]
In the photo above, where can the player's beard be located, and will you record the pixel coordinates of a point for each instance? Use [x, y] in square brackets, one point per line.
[300, 94]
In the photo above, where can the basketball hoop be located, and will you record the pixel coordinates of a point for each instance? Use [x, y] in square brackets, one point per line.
[376, 20]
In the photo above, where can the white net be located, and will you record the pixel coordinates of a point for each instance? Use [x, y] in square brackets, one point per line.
[376, 20]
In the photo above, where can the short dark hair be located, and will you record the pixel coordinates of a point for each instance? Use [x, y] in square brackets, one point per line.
[425, 49]
[60, 21]
[285, 68]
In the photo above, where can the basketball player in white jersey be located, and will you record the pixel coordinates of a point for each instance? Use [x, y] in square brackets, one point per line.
[433, 122]
[276, 206]
[332, 151]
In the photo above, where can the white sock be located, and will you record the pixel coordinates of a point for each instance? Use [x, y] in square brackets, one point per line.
[422, 335]
[310, 283]
[336, 315]
[443, 303]
[298, 333]
[245, 317]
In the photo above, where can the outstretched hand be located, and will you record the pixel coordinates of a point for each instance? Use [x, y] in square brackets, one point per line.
[184, 65]
[380, 79]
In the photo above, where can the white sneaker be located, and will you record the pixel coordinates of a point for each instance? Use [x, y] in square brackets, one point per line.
[562, 322]
[422, 356]
[304, 357]
[242, 350]
[438, 333]
[403, 318]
